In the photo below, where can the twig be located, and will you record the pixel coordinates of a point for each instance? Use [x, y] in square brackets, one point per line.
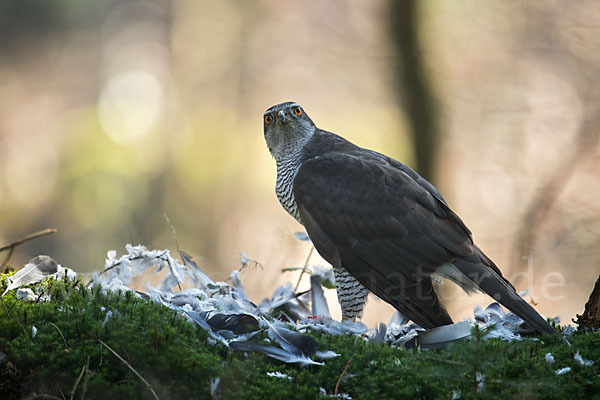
[11, 247]
[28, 238]
[61, 335]
[78, 380]
[10, 253]
[86, 378]
[173, 273]
[304, 268]
[148, 385]
[337, 385]
[176, 244]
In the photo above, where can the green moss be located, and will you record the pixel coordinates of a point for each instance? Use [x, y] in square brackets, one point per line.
[179, 361]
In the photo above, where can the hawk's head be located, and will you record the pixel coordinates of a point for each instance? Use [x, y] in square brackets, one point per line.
[287, 128]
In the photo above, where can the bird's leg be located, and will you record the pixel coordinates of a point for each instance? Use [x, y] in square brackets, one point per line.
[351, 294]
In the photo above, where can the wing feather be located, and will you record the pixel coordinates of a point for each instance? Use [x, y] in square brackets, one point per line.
[384, 227]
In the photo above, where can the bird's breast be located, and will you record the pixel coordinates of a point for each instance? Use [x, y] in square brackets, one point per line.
[286, 172]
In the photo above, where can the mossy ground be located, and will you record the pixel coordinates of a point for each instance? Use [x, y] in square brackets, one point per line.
[178, 360]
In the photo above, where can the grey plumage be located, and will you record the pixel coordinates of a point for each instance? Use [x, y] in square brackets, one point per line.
[378, 222]
[34, 271]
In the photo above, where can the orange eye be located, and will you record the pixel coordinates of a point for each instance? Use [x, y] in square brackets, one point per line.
[297, 111]
[268, 119]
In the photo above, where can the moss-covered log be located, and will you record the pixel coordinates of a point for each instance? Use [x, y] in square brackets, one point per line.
[178, 359]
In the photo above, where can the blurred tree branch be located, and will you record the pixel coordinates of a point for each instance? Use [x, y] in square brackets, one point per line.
[414, 86]
[542, 203]
[543, 31]
[11, 247]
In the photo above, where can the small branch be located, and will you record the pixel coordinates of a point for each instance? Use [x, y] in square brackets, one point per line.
[173, 273]
[337, 385]
[78, 380]
[86, 378]
[149, 386]
[176, 244]
[28, 238]
[61, 335]
[8, 256]
[304, 268]
[11, 247]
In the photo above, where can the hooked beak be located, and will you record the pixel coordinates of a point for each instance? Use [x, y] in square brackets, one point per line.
[281, 115]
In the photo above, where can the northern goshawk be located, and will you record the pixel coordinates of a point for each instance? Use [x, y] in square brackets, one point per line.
[380, 224]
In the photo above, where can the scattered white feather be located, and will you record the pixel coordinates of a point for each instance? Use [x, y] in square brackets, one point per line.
[26, 294]
[197, 276]
[302, 236]
[326, 355]
[441, 336]
[244, 259]
[549, 358]
[62, 272]
[279, 375]
[318, 301]
[378, 335]
[563, 370]
[577, 357]
[274, 352]
[235, 279]
[214, 387]
[480, 379]
[34, 271]
[107, 317]
[325, 274]
[207, 298]
[568, 331]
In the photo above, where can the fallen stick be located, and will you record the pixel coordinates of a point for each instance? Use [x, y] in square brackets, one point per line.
[148, 385]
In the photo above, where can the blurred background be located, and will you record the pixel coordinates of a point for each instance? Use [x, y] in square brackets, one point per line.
[115, 113]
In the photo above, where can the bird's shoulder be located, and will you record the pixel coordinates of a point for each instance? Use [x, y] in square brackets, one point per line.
[333, 168]
[327, 156]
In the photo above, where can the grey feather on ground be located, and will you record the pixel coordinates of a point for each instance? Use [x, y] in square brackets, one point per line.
[34, 271]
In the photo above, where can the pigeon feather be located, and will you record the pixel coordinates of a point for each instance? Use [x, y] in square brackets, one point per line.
[34, 271]
[274, 352]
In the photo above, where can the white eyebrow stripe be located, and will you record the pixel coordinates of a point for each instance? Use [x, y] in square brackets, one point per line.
[281, 106]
